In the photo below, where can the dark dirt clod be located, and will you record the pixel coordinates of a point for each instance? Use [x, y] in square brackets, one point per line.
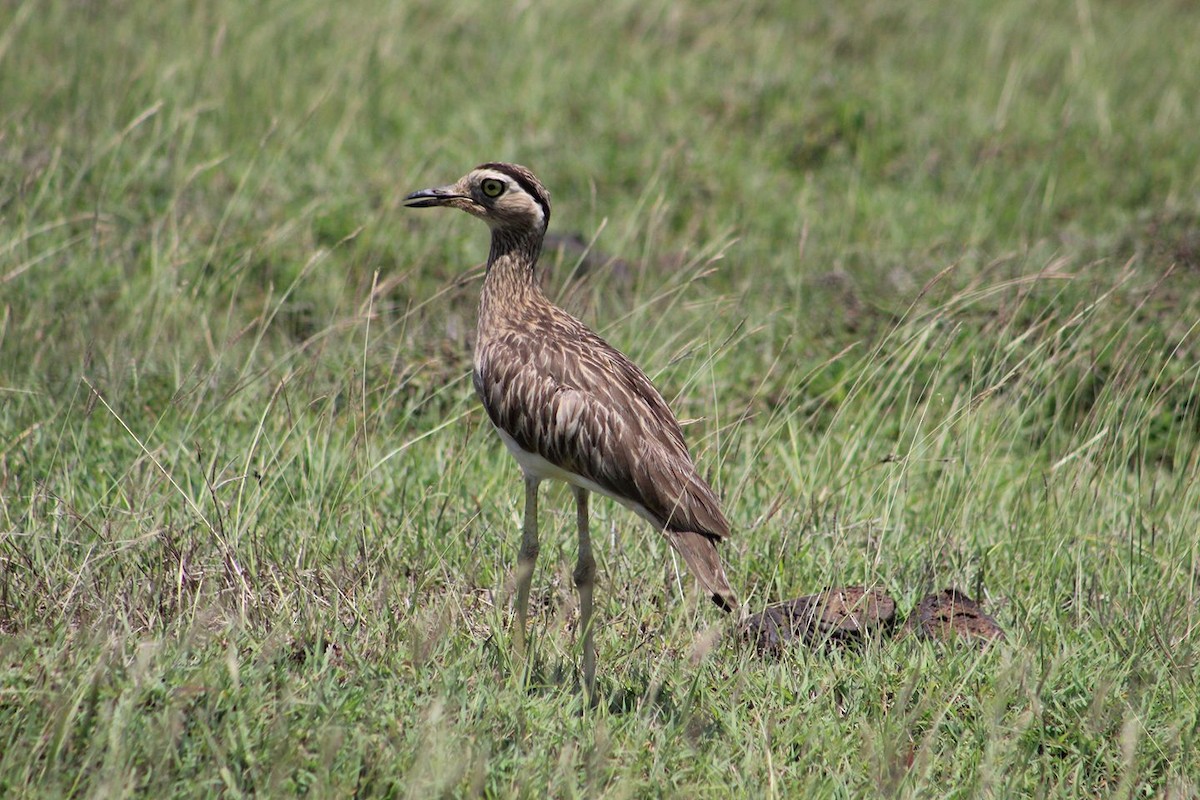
[835, 615]
[950, 614]
[851, 613]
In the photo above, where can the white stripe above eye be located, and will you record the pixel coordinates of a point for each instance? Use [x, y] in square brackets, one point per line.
[520, 180]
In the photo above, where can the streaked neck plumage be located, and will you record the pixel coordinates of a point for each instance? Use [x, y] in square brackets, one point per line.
[510, 284]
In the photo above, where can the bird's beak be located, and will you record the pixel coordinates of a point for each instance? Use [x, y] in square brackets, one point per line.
[440, 196]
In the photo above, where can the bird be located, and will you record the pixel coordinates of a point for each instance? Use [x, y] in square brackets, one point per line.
[571, 407]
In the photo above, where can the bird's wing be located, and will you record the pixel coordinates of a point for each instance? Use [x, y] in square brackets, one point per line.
[583, 406]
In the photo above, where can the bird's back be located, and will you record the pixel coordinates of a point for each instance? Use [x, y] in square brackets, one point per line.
[560, 391]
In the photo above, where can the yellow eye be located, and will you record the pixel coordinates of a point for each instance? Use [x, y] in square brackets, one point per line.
[492, 187]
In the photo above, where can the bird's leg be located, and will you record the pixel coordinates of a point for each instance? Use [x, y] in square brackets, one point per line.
[526, 559]
[585, 582]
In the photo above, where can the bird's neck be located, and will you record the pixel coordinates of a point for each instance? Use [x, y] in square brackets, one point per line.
[514, 254]
[510, 282]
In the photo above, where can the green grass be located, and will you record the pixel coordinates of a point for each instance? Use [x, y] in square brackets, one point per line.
[925, 276]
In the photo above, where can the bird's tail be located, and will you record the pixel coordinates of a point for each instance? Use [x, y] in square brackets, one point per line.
[700, 553]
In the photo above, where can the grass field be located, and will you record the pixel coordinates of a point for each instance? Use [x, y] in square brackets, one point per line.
[924, 278]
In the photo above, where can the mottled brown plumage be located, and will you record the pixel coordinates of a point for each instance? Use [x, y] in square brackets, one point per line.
[566, 403]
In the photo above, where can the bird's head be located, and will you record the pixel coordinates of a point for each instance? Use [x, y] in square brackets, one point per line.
[505, 196]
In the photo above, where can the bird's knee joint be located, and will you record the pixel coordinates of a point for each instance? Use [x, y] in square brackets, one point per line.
[585, 573]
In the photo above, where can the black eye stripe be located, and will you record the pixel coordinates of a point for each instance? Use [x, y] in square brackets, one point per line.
[530, 187]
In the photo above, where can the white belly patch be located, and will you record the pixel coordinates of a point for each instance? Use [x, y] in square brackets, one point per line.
[535, 466]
